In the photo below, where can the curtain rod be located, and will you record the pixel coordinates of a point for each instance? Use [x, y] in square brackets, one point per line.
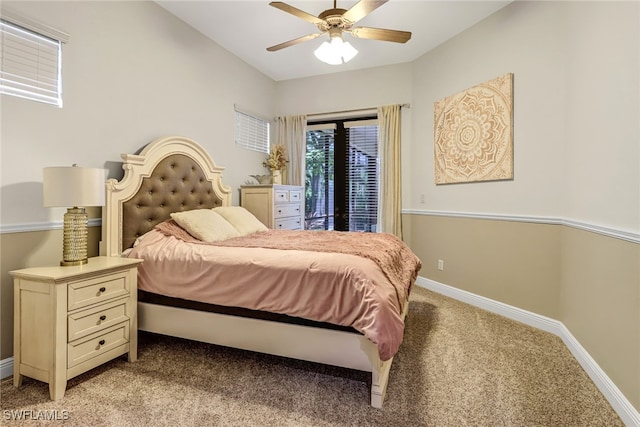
[333, 114]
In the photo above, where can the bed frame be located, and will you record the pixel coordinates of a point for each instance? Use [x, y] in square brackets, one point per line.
[174, 174]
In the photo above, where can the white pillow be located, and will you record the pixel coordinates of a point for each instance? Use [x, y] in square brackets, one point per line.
[241, 219]
[205, 225]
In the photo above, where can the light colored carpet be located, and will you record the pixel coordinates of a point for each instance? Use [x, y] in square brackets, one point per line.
[458, 366]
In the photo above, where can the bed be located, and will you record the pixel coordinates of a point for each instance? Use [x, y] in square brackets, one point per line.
[176, 174]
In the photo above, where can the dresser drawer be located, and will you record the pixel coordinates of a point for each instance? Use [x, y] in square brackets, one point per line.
[100, 289]
[284, 196]
[85, 322]
[295, 195]
[281, 196]
[286, 211]
[289, 224]
[94, 345]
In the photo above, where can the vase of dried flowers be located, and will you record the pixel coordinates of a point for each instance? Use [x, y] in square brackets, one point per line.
[276, 177]
[276, 161]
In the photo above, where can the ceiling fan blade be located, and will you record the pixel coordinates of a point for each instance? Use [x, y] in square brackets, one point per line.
[296, 12]
[294, 42]
[362, 9]
[381, 34]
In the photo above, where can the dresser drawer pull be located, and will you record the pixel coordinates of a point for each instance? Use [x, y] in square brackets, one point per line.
[101, 342]
[103, 317]
[102, 289]
[279, 210]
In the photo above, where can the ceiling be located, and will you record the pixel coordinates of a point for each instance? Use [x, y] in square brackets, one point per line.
[247, 27]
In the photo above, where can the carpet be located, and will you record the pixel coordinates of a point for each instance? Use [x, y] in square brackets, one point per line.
[458, 366]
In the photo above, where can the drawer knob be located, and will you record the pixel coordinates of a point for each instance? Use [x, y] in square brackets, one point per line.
[101, 342]
[279, 210]
[103, 317]
[102, 289]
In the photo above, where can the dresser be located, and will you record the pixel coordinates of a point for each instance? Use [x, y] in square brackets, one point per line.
[68, 320]
[280, 207]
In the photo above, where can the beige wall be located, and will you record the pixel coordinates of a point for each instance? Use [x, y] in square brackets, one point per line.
[24, 250]
[576, 72]
[516, 263]
[589, 281]
[599, 303]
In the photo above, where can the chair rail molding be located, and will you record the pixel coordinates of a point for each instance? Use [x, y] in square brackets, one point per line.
[41, 226]
[630, 236]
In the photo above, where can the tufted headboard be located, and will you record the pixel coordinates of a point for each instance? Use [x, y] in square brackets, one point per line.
[171, 174]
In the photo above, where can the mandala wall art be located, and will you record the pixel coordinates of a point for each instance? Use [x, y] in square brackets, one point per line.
[473, 133]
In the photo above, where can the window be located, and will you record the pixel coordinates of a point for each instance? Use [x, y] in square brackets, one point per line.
[319, 181]
[342, 168]
[363, 172]
[31, 61]
[252, 132]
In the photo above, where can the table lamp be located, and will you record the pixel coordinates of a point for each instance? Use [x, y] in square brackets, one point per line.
[77, 187]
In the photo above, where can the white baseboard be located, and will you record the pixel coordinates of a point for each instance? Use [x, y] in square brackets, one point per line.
[629, 415]
[6, 367]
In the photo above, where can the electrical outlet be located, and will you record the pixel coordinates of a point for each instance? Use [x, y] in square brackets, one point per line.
[422, 199]
[440, 264]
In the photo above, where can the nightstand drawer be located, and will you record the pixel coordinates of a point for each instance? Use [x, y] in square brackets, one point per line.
[289, 224]
[104, 288]
[95, 319]
[94, 345]
[286, 211]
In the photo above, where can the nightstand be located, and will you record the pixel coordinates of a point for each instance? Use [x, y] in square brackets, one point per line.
[280, 207]
[68, 320]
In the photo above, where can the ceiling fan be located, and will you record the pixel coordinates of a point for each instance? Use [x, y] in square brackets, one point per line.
[336, 21]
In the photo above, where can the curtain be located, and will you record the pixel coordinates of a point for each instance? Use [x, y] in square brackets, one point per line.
[390, 204]
[292, 132]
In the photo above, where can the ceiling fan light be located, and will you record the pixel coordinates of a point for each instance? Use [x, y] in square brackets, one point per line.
[348, 51]
[326, 54]
[336, 52]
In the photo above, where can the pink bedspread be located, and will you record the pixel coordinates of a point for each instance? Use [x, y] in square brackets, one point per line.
[339, 286]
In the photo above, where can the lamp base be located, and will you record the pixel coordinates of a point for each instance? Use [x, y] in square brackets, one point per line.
[64, 263]
[74, 240]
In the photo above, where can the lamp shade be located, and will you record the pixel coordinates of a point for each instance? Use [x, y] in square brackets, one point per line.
[335, 52]
[73, 186]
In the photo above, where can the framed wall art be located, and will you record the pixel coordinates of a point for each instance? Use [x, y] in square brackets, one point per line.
[473, 133]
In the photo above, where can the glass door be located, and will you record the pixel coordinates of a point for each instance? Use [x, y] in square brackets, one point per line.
[342, 168]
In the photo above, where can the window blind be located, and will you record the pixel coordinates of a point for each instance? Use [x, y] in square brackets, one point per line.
[252, 132]
[30, 64]
[363, 171]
